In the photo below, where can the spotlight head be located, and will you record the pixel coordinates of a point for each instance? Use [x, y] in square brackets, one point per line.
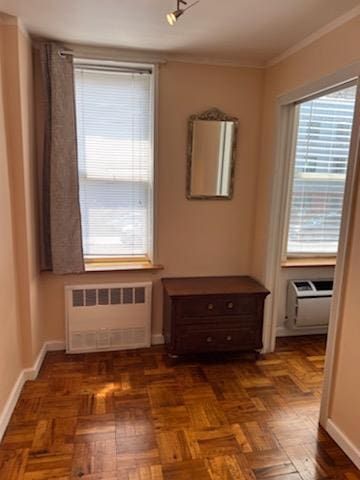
[173, 16]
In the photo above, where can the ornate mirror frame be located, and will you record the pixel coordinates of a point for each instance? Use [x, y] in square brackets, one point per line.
[214, 114]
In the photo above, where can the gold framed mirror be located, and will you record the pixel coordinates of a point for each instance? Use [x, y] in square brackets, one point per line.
[211, 154]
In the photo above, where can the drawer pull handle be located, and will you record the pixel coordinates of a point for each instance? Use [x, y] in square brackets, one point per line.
[229, 338]
[209, 339]
[210, 306]
[230, 305]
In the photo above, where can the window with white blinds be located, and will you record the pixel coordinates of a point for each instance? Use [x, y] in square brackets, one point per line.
[321, 157]
[114, 110]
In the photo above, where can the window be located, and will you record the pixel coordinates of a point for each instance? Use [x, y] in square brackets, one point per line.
[114, 108]
[322, 143]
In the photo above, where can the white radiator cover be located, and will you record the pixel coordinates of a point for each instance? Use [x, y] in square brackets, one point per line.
[108, 317]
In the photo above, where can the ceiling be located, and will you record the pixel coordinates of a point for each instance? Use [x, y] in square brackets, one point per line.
[228, 31]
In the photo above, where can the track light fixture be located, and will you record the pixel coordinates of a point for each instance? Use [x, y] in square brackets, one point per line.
[173, 16]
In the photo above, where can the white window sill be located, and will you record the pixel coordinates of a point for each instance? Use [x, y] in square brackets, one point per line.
[309, 262]
[121, 267]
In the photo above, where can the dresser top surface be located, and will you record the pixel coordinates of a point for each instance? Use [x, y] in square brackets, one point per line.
[213, 286]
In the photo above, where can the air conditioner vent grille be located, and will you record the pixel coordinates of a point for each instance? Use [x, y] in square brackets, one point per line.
[78, 298]
[115, 296]
[140, 295]
[108, 296]
[103, 296]
[128, 295]
[90, 296]
[104, 339]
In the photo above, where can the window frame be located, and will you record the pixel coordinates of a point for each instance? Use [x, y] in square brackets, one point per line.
[290, 146]
[149, 260]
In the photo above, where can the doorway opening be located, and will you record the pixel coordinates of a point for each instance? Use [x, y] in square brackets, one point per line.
[313, 194]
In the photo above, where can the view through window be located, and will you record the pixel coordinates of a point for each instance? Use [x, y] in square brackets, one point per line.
[115, 151]
[321, 157]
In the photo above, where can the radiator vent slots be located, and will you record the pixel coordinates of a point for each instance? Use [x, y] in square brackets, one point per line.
[78, 298]
[108, 317]
[107, 296]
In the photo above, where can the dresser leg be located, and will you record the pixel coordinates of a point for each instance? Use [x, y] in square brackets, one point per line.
[257, 355]
[173, 356]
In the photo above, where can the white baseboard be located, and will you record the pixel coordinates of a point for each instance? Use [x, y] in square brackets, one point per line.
[288, 332]
[157, 339]
[344, 442]
[11, 402]
[26, 374]
[55, 345]
[32, 372]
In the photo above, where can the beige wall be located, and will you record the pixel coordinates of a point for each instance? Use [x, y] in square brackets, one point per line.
[10, 345]
[331, 52]
[192, 237]
[21, 330]
[19, 132]
[30, 192]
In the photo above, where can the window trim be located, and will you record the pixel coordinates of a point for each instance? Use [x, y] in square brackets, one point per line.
[290, 151]
[148, 261]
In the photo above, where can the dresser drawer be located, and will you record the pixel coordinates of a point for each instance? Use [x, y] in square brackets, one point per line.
[212, 305]
[194, 338]
[218, 321]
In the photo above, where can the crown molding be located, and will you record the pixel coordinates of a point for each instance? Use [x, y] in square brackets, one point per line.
[215, 61]
[157, 57]
[346, 17]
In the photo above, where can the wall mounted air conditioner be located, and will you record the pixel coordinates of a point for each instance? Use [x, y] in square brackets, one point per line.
[107, 317]
[308, 303]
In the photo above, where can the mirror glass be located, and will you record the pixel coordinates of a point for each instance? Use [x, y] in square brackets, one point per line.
[211, 158]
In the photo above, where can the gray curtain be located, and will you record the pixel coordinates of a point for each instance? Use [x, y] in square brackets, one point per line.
[61, 239]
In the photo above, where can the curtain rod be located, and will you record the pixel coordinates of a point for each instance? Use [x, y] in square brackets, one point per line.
[110, 68]
[63, 53]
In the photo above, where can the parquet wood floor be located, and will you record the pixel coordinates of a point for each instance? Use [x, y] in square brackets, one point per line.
[136, 415]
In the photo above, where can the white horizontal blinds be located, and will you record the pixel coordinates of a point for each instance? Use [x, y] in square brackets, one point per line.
[114, 129]
[321, 158]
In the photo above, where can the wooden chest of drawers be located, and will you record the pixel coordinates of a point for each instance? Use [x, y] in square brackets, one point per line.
[208, 314]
